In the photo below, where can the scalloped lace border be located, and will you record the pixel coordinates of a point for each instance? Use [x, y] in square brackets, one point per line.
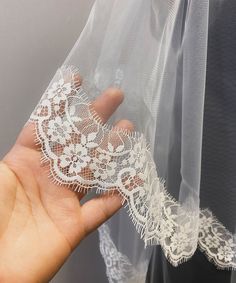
[84, 154]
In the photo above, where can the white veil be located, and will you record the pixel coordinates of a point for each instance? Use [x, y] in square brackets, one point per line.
[156, 52]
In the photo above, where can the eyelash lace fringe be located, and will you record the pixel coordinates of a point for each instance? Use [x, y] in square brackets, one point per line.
[85, 154]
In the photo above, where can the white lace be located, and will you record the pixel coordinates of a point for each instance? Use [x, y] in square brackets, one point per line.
[84, 154]
[118, 266]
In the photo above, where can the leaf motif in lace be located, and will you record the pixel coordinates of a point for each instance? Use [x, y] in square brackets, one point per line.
[84, 154]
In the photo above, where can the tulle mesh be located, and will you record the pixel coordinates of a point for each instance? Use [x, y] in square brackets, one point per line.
[156, 52]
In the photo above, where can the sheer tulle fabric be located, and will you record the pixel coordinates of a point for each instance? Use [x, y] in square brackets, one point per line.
[156, 52]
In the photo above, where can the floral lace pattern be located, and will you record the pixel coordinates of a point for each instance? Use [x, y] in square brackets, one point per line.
[216, 241]
[119, 269]
[85, 154]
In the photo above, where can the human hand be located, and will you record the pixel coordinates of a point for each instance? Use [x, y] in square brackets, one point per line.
[42, 224]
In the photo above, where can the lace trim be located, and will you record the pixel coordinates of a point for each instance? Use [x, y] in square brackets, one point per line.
[118, 267]
[84, 154]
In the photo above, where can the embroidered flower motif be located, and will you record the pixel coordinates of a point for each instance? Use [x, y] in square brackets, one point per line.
[59, 130]
[205, 221]
[76, 157]
[58, 92]
[137, 156]
[103, 166]
[179, 241]
[225, 253]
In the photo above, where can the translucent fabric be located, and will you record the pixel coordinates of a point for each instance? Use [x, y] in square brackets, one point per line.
[156, 52]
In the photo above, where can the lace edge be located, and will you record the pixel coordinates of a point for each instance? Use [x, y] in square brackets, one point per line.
[213, 257]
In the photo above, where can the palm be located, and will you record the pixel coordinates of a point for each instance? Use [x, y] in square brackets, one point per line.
[40, 223]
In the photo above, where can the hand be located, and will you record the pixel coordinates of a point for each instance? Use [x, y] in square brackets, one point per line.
[40, 223]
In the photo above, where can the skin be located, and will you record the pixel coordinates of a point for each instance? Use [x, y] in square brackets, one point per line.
[41, 223]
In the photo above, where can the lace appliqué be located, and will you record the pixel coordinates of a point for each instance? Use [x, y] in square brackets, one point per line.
[84, 154]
